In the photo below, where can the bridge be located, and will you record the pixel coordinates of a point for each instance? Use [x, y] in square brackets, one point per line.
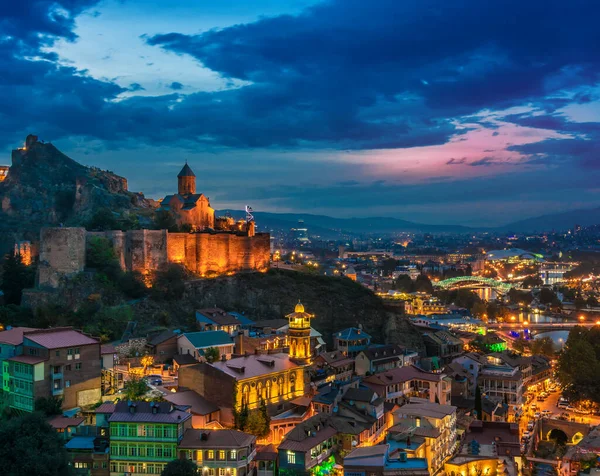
[470, 281]
[572, 432]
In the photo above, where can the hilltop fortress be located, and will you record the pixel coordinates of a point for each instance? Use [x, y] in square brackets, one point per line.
[206, 250]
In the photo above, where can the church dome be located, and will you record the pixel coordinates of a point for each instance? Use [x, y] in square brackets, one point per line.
[299, 307]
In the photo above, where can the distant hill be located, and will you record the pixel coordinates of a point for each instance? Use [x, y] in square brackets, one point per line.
[328, 226]
[556, 221]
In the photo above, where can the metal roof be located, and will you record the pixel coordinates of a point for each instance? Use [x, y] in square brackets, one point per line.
[59, 338]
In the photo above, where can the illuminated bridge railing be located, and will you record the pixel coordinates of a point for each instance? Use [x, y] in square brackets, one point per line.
[459, 281]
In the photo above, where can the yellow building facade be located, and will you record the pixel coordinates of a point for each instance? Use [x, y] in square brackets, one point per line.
[299, 334]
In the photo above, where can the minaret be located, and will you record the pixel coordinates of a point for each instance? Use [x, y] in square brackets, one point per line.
[186, 181]
[299, 334]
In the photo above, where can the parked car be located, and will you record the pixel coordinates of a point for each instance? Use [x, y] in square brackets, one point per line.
[563, 404]
[569, 408]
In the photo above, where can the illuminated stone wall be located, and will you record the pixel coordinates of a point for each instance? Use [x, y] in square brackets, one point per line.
[62, 252]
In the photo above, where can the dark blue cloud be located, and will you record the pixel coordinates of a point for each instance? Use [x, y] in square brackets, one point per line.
[176, 86]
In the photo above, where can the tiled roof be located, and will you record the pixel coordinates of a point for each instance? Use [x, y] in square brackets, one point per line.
[244, 320]
[218, 316]
[14, 336]
[359, 394]
[433, 410]
[403, 374]
[351, 333]
[28, 359]
[107, 349]
[422, 431]
[308, 434]
[81, 443]
[59, 338]
[61, 422]
[272, 323]
[167, 413]
[186, 171]
[266, 453]
[251, 366]
[215, 439]
[197, 403]
[202, 340]
[185, 359]
[162, 337]
[106, 407]
[382, 351]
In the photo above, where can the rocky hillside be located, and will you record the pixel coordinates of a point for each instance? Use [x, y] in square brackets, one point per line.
[336, 302]
[45, 187]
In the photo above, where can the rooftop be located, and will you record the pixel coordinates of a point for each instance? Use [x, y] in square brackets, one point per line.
[14, 336]
[28, 359]
[62, 422]
[251, 366]
[80, 443]
[162, 337]
[218, 316]
[351, 333]
[216, 439]
[186, 171]
[166, 412]
[197, 403]
[58, 338]
[308, 434]
[203, 340]
[433, 410]
[403, 374]
[375, 352]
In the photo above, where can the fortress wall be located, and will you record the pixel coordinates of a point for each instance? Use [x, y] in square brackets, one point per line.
[146, 250]
[177, 247]
[62, 253]
[116, 237]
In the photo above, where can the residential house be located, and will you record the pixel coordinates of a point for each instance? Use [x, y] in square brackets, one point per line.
[462, 381]
[215, 319]
[219, 452]
[379, 358]
[266, 460]
[493, 410]
[182, 361]
[333, 365]
[163, 346]
[398, 385]
[379, 461]
[311, 443]
[248, 380]
[66, 427]
[88, 455]
[472, 362]
[205, 414]
[59, 362]
[351, 341]
[197, 343]
[144, 436]
[362, 405]
[10, 341]
[501, 382]
[442, 344]
[430, 427]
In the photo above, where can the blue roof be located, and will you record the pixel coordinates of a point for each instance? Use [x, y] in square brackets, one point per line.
[208, 338]
[80, 443]
[246, 321]
[352, 333]
[412, 463]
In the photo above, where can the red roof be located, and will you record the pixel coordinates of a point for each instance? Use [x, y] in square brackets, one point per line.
[28, 359]
[59, 338]
[106, 407]
[60, 421]
[14, 336]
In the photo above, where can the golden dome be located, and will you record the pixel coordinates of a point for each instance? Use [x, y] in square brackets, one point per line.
[299, 307]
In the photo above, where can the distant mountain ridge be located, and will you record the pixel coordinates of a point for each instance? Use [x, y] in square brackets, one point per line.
[326, 225]
[556, 221]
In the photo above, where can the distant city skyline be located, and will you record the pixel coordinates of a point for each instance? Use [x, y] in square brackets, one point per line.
[468, 112]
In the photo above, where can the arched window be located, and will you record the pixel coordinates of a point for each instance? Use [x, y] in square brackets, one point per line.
[245, 395]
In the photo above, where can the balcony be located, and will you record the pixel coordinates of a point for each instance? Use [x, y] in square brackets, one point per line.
[58, 391]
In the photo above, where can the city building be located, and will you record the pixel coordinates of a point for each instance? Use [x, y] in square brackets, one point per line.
[377, 461]
[430, 427]
[247, 380]
[163, 346]
[333, 366]
[502, 382]
[219, 452]
[144, 436]
[400, 384]
[59, 362]
[310, 444]
[205, 414]
[443, 345]
[351, 341]
[197, 343]
[215, 319]
[379, 358]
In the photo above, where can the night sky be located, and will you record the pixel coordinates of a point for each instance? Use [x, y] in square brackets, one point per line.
[474, 112]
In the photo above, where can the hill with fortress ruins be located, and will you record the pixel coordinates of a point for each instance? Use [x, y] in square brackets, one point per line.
[44, 187]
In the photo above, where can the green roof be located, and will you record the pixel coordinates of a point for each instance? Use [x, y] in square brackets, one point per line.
[208, 338]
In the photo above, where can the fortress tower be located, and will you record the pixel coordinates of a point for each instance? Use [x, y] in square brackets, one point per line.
[186, 181]
[299, 334]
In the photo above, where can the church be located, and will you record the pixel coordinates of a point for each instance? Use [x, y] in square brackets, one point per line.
[188, 207]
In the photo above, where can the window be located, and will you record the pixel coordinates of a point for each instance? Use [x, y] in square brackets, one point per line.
[233, 454]
[418, 422]
[68, 368]
[221, 471]
[211, 471]
[221, 454]
[57, 353]
[67, 383]
[210, 455]
[77, 355]
[78, 366]
[291, 457]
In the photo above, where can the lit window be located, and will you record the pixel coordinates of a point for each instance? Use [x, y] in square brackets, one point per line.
[211, 454]
[291, 457]
[221, 454]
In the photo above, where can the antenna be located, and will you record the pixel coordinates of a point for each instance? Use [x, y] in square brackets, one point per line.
[249, 216]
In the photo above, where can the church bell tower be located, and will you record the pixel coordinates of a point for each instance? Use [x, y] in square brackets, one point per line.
[186, 181]
[299, 334]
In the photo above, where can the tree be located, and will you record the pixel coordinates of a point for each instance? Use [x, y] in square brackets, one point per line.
[146, 361]
[15, 277]
[592, 301]
[546, 296]
[212, 354]
[479, 309]
[100, 255]
[520, 344]
[478, 407]
[543, 346]
[180, 467]
[103, 219]
[258, 423]
[135, 388]
[30, 446]
[49, 406]
[423, 284]
[165, 220]
[404, 283]
[169, 283]
[532, 282]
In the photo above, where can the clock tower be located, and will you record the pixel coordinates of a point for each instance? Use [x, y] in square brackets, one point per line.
[299, 334]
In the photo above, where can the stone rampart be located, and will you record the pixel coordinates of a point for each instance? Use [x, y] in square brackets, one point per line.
[62, 253]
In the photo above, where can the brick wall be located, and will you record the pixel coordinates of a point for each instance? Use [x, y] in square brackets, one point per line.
[62, 253]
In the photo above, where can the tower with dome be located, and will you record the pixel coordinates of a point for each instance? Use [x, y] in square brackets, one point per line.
[299, 334]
